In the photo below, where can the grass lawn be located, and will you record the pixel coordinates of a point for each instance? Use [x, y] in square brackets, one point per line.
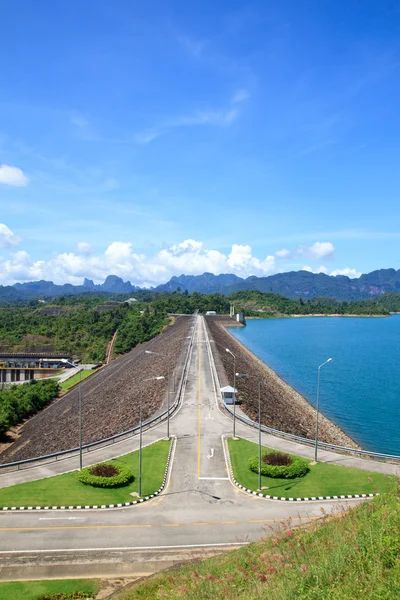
[66, 490]
[323, 479]
[30, 590]
[68, 383]
[354, 557]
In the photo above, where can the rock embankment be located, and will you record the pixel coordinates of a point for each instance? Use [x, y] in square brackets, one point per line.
[281, 406]
[110, 398]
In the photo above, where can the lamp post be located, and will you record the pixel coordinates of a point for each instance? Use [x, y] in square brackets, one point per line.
[65, 361]
[167, 357]
[140, 448]
[259, 435]
[316, 427]
[234, 390]
[80, 419]
[140, 435]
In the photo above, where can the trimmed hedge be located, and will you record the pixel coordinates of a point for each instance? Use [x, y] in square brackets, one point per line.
[123, 477]
[298, 468]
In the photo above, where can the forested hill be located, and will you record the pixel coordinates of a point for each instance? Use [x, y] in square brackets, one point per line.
[295, 284]
[302, 284]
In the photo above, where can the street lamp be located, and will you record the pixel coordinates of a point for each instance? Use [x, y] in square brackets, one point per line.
[158, 378]
[316, 427]
[79, 410]
[141, 436]
[234, 390]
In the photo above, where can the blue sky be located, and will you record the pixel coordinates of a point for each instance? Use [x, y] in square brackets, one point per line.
[150, 139]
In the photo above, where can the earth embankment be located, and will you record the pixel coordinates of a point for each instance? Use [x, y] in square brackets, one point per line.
[111, 398]
[282, 407]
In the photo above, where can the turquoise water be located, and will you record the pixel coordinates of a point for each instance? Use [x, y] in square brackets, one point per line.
[360, 389]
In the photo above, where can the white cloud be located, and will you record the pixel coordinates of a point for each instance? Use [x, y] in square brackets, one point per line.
[12, 176]
[8, 239]
[84, 248]
[190, 257]
[284, 253]
[321, 269]
[79, 121]
[352, 273]
[241, 261]
[216, 118]
[240, 96]
[317, 251]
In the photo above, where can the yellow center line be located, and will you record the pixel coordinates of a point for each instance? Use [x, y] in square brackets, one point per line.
[229, 522]
[198, 410]
[142, 525]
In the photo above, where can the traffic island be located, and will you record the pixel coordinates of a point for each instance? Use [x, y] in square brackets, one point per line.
[323, 481]
[67, 492]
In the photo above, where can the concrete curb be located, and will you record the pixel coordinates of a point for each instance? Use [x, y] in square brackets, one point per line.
[102, 506]
[284, 499]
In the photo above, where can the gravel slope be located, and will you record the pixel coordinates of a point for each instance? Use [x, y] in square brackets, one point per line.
[281, 406]
[110, 398]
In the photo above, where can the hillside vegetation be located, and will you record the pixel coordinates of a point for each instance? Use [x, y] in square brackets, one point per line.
[22, 401]
[84, 325]
[343, 556]
[82, 329]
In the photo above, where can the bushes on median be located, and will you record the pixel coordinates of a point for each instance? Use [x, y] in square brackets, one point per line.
[106, 475]
[280, 465]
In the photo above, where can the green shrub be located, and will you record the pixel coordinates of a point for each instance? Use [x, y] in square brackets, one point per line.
[298, 468]
[122, 477]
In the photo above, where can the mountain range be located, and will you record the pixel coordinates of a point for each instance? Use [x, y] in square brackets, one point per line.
[294, 284]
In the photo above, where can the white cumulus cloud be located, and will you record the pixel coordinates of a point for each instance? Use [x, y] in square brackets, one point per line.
[352, 273]
[317, 251]
[119, 258]
[84, 248]
[321, 269]
[12, 176]
[284, 253]
[8, 239]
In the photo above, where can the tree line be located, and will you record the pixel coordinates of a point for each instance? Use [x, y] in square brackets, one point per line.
[22, 401]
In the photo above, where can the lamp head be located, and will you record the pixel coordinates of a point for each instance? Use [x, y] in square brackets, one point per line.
[148, 352]
[329, 360]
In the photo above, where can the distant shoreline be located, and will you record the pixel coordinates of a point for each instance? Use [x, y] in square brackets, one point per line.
[321, 315]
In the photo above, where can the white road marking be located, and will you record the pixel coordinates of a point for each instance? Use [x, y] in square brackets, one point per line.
[209, 417]
[49, 550]
[61, 518]
[211, 453]
[219, 478]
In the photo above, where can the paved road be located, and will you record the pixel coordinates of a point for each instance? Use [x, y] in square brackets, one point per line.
[200, 505]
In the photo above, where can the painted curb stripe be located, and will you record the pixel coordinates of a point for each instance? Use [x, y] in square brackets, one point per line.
[107, 506]
[283, 499]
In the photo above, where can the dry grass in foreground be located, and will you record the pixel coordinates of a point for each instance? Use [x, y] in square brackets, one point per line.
[354, 556]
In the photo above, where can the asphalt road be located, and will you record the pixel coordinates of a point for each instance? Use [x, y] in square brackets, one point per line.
[199, 507]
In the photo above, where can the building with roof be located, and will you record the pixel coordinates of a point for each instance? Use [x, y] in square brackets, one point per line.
[17, 367]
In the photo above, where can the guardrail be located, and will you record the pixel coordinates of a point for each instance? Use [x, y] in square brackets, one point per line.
[63, 454]
[291, 436]
[303, 440]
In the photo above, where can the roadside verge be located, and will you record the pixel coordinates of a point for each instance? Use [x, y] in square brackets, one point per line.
[64, 492]
[324, 481]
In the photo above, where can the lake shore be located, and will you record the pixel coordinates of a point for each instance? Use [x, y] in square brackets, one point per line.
[321, 315]
[283, 408]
